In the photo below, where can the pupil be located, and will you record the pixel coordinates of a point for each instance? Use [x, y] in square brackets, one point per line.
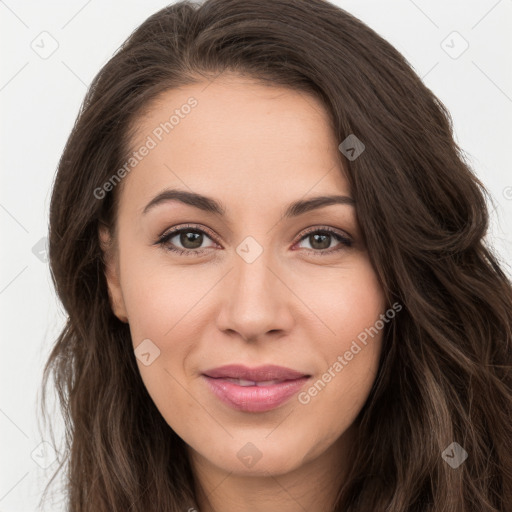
[324, 244]
[191, 240]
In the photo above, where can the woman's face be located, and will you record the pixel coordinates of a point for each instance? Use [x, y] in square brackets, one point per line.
[257, 283]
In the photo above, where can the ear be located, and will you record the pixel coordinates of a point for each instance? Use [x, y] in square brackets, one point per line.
[112, 273]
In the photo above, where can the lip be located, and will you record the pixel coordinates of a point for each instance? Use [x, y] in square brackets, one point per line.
[254, 398]
[258, 374]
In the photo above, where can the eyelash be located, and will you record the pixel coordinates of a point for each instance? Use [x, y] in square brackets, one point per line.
[164, 240]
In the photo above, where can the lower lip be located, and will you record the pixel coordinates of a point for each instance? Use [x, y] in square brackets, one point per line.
[254, 398]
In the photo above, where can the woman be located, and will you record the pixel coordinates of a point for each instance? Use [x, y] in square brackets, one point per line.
[271, 252]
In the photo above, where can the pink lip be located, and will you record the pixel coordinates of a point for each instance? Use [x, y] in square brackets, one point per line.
[254, 398]
[258, 374]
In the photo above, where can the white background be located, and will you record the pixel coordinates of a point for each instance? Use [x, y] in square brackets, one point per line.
[39, 101]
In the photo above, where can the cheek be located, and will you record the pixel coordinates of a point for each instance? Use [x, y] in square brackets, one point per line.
[163, 312]
[349, 339]
[160, 297]
[166, 316]
[335, 396]
[345, 302]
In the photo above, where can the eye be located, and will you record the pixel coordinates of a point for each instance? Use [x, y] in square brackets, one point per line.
[190, 237]
[320, 241]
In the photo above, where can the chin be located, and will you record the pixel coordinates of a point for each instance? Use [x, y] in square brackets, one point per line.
[259, 458]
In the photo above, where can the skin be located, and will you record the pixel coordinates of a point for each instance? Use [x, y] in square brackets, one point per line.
[255, 149]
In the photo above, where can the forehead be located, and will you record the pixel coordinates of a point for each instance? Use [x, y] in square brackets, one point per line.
[235, 136]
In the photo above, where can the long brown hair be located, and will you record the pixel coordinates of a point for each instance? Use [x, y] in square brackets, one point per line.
[445, 371]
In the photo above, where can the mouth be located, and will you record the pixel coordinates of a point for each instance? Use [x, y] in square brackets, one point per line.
[246, 383]
[264, 373]
[254, 390]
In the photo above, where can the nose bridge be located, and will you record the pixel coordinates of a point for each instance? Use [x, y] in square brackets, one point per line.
[256, 301]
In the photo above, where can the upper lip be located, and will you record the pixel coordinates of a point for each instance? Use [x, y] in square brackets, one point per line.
[258, 374]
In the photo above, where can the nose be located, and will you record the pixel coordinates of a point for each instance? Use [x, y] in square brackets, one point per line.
[257, 301]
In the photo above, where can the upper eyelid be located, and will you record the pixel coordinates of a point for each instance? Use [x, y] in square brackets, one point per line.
[330, 229]
[191, 227]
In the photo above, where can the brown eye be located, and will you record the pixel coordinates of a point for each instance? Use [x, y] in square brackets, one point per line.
[191, 239]
[185, 240]
[320, 241]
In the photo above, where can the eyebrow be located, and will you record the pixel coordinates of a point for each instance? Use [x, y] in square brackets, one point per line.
[210, 205]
